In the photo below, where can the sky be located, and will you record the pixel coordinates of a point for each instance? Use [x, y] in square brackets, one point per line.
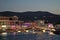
[52, 6]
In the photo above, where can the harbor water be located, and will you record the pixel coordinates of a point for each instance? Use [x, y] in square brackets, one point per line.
[29, 36]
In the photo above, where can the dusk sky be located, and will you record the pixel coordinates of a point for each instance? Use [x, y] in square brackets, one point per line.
[30, 5]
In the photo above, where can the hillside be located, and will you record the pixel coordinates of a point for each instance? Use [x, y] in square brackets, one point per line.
[33, 16]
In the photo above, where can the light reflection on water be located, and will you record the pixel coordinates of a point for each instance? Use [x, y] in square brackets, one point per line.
[29, 36]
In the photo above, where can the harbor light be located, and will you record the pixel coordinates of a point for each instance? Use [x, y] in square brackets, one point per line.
[27, 30]
[4, 34]
[51, 33]
[43, 30]
[53, 30]
[4, 26]
[19, 31]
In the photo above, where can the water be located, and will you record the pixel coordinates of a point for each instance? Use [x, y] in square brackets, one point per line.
[29, 36]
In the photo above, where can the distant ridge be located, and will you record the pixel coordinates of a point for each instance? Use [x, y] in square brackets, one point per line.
[42, 13]
[33, 15]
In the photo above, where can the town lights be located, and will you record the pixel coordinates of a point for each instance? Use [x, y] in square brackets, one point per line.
[4, 34]
[43, 30]
[19, 31]
[4, 26]
[53, 30]
[27, 30]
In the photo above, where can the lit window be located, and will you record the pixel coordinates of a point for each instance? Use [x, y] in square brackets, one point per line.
[4, 26]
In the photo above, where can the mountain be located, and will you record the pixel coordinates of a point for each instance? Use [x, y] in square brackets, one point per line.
[30, 15]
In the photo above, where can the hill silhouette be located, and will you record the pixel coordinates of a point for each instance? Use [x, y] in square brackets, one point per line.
[30, 15]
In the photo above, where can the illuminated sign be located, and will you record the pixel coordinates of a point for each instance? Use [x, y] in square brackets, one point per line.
[27, 24]
[13, 27]
[50, 25]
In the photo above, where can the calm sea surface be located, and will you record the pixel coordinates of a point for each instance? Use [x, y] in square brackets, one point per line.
[29, 36]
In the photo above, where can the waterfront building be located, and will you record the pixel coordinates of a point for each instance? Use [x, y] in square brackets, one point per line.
[10, 22]
[40, 22]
